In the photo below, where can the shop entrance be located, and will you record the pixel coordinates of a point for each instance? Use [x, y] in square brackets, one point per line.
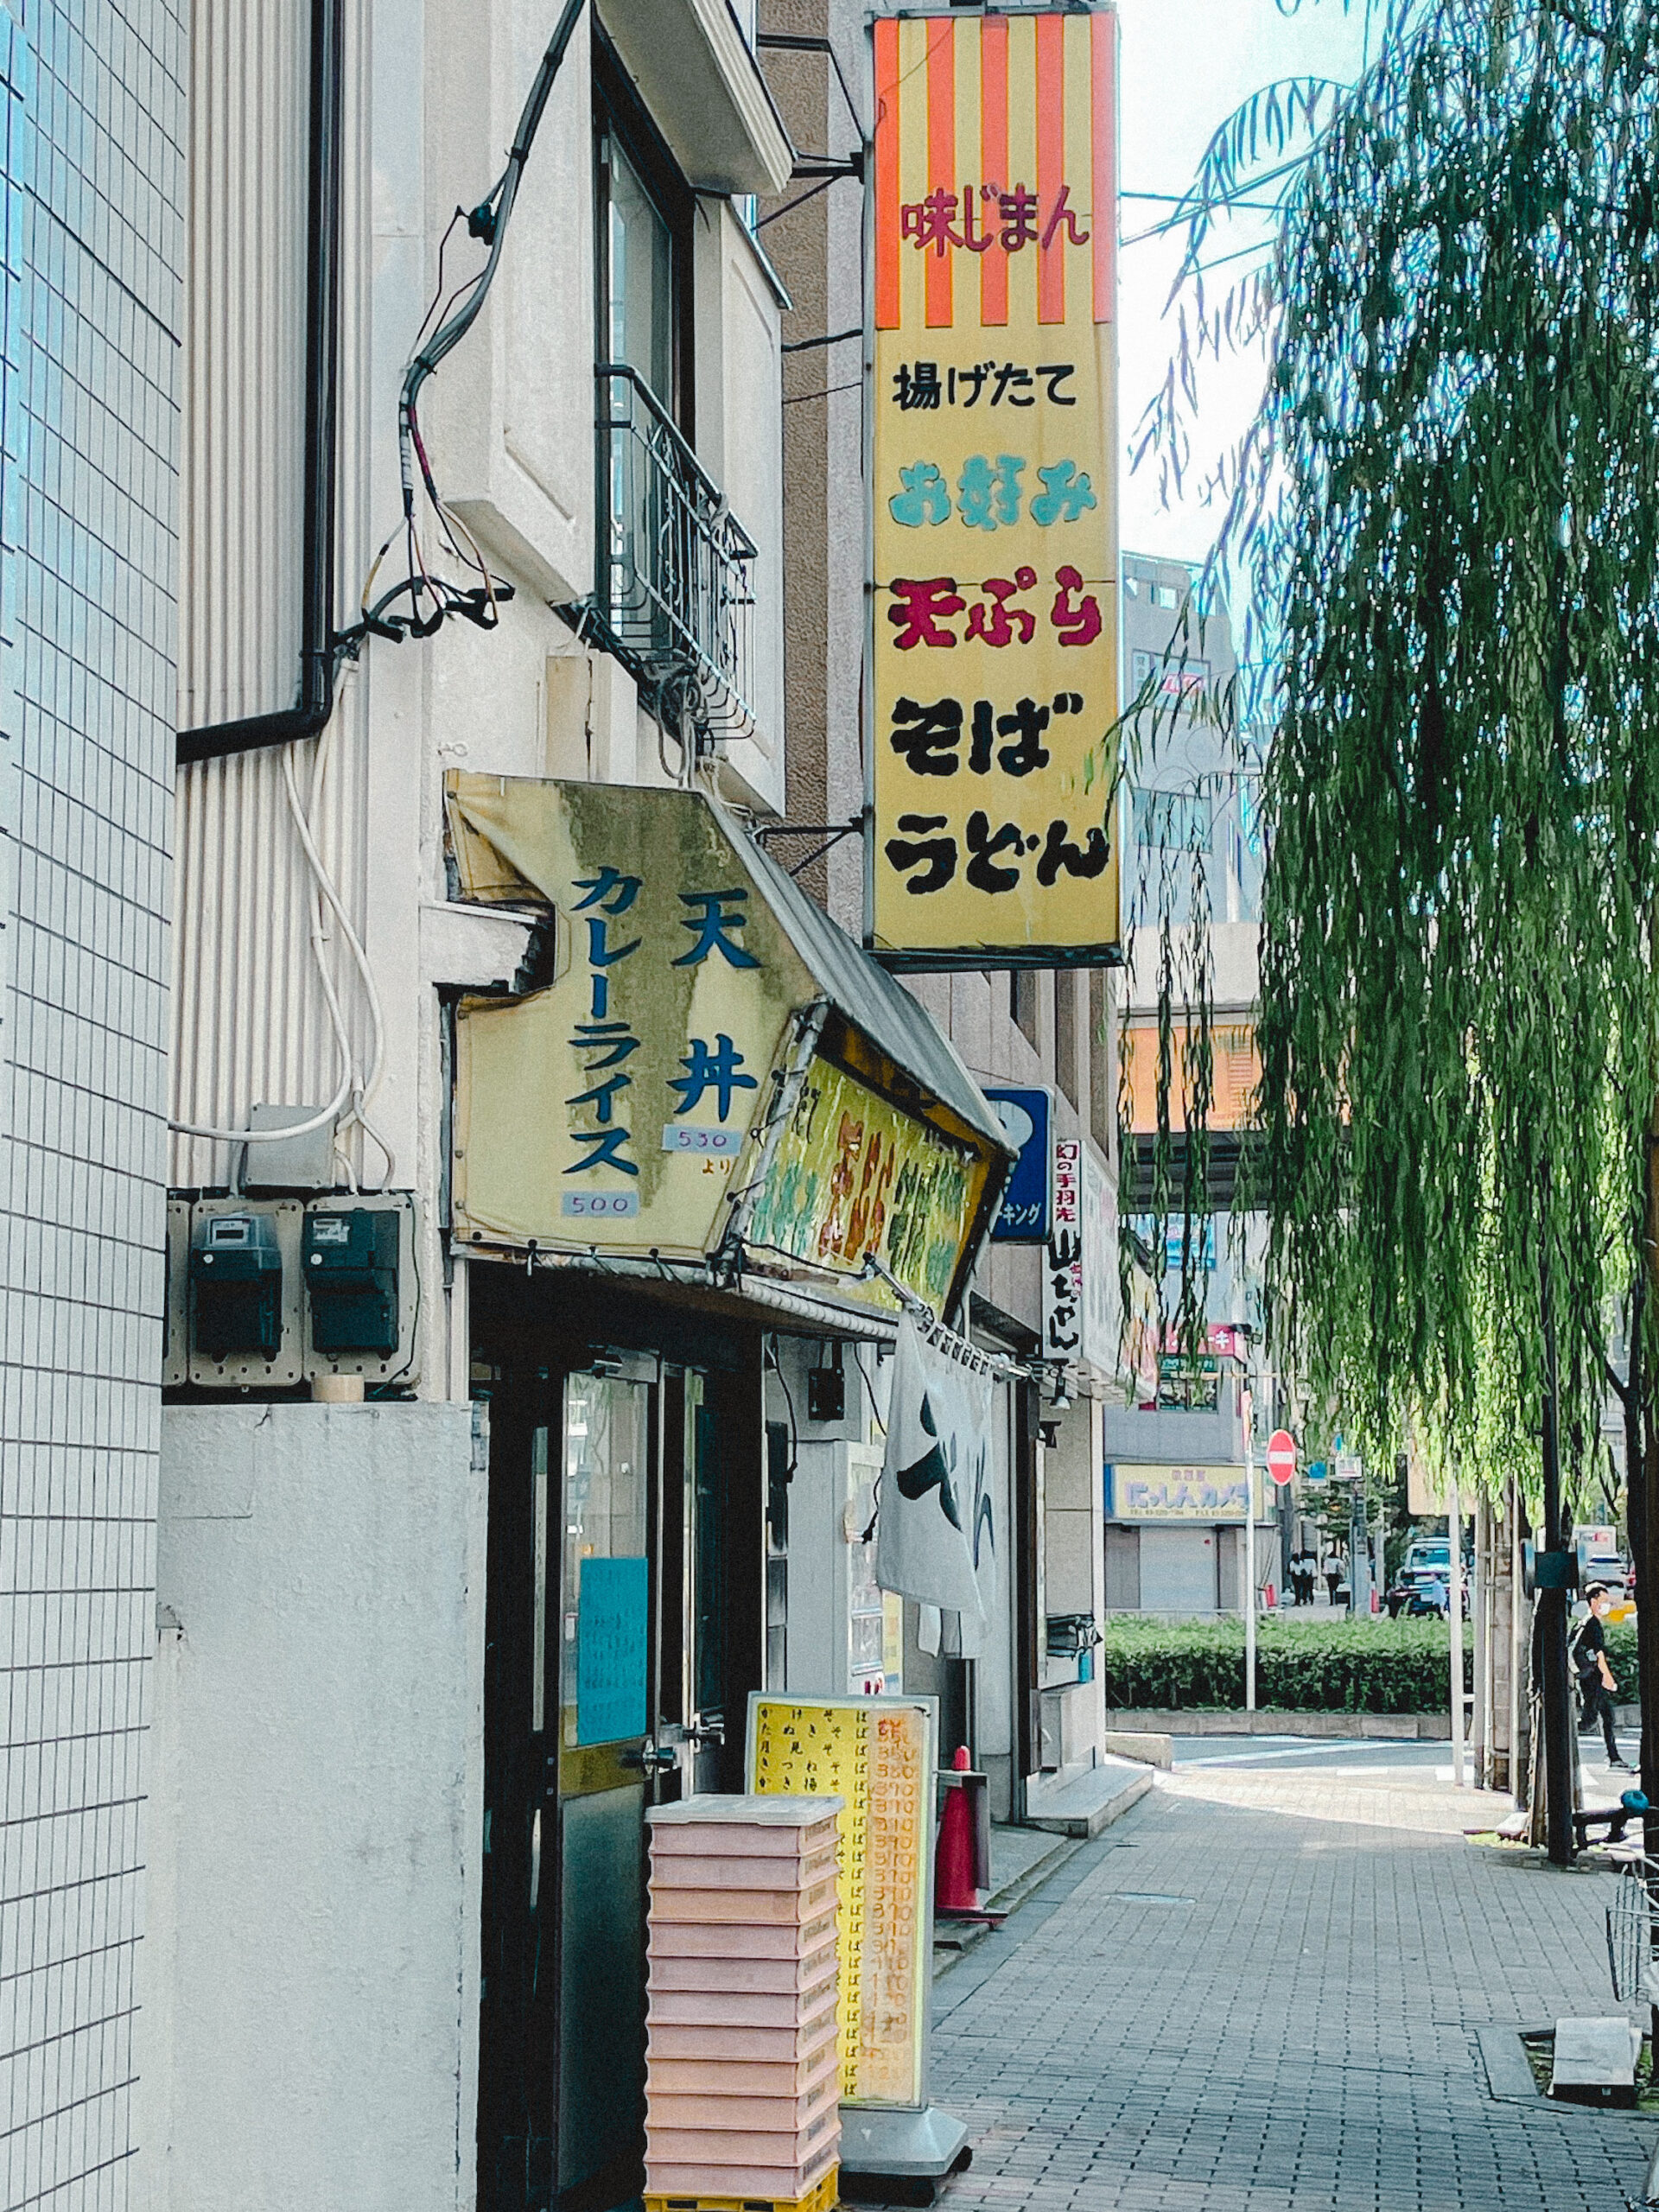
[609, 1686]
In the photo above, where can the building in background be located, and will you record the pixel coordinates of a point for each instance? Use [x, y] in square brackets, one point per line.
[1174, 1542]
[91, 105]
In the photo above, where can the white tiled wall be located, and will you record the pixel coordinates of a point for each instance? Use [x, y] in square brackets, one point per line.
[93, 179]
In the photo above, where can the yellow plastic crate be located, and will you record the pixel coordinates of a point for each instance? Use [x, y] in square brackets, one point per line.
[823, 2197]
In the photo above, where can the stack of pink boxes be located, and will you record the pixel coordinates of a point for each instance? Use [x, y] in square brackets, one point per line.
[743, 2070]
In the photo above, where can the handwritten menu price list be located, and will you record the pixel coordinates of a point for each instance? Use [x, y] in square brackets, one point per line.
[889, 1996]
[877, 1756]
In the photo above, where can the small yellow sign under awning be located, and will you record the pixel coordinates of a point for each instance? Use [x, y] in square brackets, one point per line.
[701, 1058]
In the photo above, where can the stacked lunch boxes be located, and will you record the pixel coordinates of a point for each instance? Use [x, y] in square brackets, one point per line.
[742, 2079]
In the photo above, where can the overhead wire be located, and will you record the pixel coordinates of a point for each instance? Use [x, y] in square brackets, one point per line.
[432, 597]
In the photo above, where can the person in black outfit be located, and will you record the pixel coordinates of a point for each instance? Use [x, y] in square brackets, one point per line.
[1596, 1681]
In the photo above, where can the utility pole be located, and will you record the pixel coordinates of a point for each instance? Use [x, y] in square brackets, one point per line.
[1454, 1617]
[1559, 1746]
[1359, 1552]
[1249, 1552]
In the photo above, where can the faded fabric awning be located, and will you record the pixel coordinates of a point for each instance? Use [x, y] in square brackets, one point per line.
[702, 1066]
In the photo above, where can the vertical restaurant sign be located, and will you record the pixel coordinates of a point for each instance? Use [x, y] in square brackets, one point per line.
[617, 1105]
[877, 1756]
[995, 511]
[1063, 1262]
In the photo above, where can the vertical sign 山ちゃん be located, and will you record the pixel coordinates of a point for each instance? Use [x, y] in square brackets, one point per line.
[995, 467]
[1063, 1268]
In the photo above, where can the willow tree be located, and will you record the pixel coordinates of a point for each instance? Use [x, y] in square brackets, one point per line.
[1451, 510]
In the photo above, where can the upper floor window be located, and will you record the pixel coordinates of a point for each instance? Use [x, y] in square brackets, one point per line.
[1172, 821]
[643, 234]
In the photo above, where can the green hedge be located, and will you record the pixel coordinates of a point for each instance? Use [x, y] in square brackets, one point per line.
[1621, 1657]
[1364, 1666]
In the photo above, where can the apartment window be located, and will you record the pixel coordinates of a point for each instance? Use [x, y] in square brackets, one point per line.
[1022, 1001]
[644, 228]
[1163, 596]
[1065, 1032]
[674, 594]
[1179, 822]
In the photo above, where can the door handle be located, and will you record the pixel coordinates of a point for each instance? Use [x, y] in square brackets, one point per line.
[653, 1759]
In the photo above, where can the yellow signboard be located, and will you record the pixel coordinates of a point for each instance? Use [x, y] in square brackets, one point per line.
[996, 539]
[1205, 1494]
[877, 1755]
[851, 1178]
[618, 1106]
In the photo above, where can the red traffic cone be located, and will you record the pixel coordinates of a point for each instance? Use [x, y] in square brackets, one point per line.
[953, 1857]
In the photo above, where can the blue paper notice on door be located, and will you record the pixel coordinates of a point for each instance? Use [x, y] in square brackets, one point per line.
[612, 1613]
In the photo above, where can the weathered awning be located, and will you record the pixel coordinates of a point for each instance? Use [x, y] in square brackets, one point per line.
[703, 1066]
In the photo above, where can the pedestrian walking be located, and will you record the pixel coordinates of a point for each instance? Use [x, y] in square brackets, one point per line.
[1333, 1572]
[1596, 1678]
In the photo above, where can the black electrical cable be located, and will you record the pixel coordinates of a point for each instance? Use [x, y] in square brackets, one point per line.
[794, 1427]
[489, 219]
[432, 599]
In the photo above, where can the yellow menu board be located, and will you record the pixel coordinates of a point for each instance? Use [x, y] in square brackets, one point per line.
[877, 1755]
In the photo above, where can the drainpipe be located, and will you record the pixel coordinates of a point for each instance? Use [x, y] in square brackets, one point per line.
[310, 712]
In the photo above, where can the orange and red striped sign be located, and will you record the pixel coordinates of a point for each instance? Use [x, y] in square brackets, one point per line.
[994, 224]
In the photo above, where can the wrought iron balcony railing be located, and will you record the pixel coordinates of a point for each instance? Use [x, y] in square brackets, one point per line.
[674, 585]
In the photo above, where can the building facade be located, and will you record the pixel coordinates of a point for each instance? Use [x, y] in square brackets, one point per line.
[94, 120]
[489, 1004]
[435, 627]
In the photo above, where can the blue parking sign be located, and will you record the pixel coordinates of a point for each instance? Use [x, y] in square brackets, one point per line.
[1027, 1114]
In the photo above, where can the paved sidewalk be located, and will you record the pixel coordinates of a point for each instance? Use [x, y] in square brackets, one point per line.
[1260, 1993]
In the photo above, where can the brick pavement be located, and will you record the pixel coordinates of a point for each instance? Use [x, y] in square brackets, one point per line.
[1259, 1993]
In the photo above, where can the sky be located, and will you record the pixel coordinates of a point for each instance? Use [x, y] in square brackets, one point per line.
[1186, 65]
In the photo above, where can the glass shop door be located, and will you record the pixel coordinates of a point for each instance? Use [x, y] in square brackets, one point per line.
[607, 1761]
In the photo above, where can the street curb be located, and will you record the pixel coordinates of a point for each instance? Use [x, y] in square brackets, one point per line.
[955, 1981]
[1390, 1727]
[1010, 1899]
[1085, 1826]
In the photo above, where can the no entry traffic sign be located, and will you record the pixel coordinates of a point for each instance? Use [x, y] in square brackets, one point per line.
[1281, 1455]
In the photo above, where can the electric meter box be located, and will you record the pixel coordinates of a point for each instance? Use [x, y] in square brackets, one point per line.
[244, 1294]
[360, 1262]
[351, 1280]
[268, 1294]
